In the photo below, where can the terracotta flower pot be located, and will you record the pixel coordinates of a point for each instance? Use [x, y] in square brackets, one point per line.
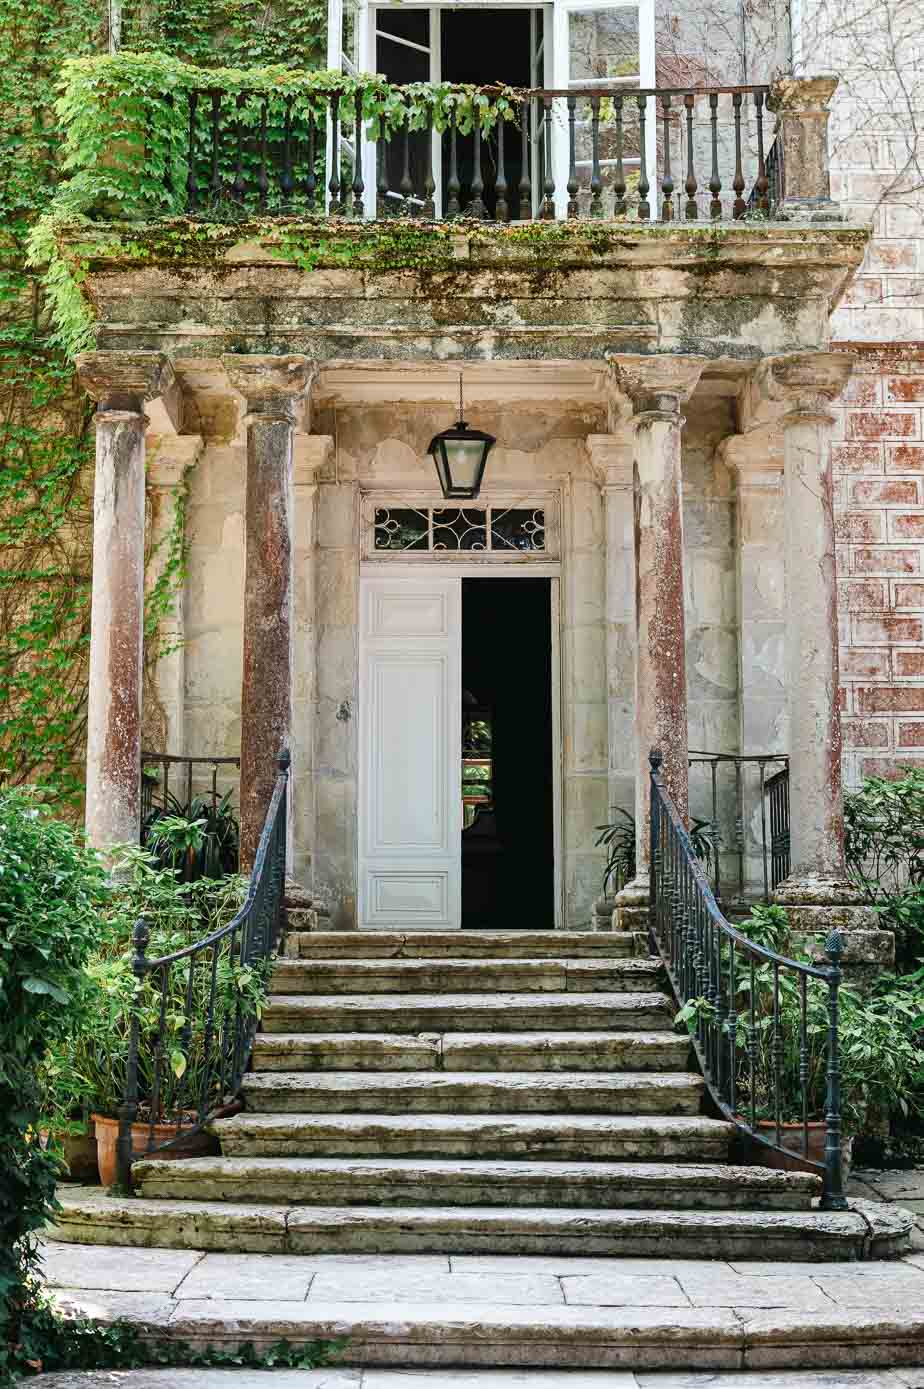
[107, 1134]
[79, 1154]
[791, 1138]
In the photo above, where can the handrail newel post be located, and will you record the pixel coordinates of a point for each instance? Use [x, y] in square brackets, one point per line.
[833, 1198]
[128, 1109]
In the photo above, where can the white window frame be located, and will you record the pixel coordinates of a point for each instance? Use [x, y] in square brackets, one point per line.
[561, 79]
[547, 502]
[554, 56]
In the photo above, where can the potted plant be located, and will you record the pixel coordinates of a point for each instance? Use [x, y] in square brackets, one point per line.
[172, 1007]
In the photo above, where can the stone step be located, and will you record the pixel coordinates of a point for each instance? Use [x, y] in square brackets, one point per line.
[403, 1181]
[372, 976]
[472, 1092]
[555, 1138]
[458, 945]
[88, 1217]
[471, 1051]
[469, 1012]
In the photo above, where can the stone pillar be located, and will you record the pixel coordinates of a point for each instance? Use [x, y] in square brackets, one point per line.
[801, 106]
[120, 383]
[313, 454]
[611, 462]
[270, 385]
[805, 384]
[167, 467]
[657, 387]
[756, 458]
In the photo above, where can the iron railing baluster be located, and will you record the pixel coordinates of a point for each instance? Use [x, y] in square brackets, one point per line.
[547, 211]
[525, 186]
[762, 182]
[715, 182]
[619, 179]
[429, 189]
[691, 211]
[740, 207]
[573, 184]
[334, 206]
[453, 186]
[476, 207]
[700, 950]
[644, 207]
[502, 207]
[359, 186]
[667, 182]
[596, 182]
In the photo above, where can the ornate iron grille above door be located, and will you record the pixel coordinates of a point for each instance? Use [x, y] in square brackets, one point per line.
[522, 529]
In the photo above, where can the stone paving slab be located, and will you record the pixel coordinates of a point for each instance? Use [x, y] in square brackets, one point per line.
[478, 1379]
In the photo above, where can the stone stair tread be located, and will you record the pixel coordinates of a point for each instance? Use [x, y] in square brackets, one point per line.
[578, 1137]
[356, 974]
[469, 1011]
[450, 1051]
[464, 1091]
[522, 944]
[362, 1180]
[86, 1216]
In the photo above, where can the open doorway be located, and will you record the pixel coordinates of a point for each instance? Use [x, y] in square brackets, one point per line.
[482, 46]
[508, 868]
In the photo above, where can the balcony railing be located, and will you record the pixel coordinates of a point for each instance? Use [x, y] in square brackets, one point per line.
[668, 154]
[731, 794]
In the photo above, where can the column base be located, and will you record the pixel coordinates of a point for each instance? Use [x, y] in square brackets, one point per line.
[817, 905]
[632, 903]
[602, 913]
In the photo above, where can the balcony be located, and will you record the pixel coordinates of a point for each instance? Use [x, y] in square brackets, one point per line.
[147, 136]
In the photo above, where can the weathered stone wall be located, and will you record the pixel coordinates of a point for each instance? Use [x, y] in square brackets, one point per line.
[381, 448]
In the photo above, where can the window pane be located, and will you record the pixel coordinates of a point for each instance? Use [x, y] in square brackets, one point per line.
[518, 530]
[603, 44]
[459, 529]
[400, 530]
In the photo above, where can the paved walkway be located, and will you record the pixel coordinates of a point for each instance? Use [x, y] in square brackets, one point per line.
[480, 1379]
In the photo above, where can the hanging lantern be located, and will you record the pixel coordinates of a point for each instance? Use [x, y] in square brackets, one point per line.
[460, 455]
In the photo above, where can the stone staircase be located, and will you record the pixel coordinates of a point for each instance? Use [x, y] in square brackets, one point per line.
[473, 1092]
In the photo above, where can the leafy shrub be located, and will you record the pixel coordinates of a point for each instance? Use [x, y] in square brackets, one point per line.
[197, 838]
[86, 1070]
[618, 839]
[52, 893]
[884, 846]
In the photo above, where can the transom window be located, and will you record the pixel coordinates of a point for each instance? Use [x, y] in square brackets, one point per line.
[520, 530]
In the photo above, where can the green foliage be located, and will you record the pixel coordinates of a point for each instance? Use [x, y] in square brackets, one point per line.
[884, 844]
[230, 33]
[882, 1060]
[85, 1070]
[197, 840]
[618, 839]
[50, 1342]
[52, 890]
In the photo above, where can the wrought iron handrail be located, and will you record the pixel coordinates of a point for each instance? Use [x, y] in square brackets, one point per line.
[264, 151]
[211, 1000]
[776, 790]
[739, 762]
[735, 983]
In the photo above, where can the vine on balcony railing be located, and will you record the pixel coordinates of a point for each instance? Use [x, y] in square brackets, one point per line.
[148, 135]
[196, 1011]
[764, 1026]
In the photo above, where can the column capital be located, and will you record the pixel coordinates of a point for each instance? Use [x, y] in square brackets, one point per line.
[807, 95]
[804, 383]
[125, 381]
[170, 457]
[661, 381]
[310, 453]
[756, 456]
[611, 459]
[270, 384]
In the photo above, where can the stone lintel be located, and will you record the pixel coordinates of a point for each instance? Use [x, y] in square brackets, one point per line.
[169, 457]
[803, 384]
[127, 380]
[660, 381]
[611, 459]
[269, 383]
[310, 455]
[805, 95]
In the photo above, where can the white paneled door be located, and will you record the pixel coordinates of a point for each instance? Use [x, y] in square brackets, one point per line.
[410, 728]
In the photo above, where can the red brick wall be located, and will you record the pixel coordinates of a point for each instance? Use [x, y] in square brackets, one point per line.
[878, 458]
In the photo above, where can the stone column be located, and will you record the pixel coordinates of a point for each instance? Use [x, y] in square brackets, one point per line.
[801, 105]
[167, 467]
[271, 386]
[611, 462]
[756, 458]
[657, 387]
[120, 383]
